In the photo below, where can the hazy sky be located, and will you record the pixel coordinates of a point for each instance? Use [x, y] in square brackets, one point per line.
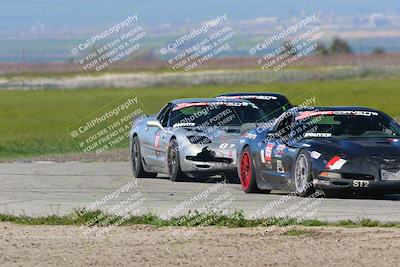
[89, 13]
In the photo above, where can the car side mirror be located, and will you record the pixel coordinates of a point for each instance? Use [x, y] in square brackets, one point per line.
[154, 123]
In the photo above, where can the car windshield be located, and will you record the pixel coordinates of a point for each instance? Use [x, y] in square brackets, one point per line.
[273, 108]
[215, 114]
[346, 124]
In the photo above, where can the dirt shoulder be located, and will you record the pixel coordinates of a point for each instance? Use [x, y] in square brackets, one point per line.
[211, 246]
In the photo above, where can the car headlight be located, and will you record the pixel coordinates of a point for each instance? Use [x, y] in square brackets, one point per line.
[199, 139]
[331, 175]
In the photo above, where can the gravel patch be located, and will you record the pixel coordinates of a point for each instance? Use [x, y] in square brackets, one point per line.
[140, 245]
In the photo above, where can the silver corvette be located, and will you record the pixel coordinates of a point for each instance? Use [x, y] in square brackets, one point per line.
[191, 137]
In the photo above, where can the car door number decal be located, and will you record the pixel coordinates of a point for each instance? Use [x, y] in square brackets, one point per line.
[225, 145]
[360, 183]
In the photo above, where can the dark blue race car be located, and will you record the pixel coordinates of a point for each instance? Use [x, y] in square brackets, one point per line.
[351, 149]
[272, 104]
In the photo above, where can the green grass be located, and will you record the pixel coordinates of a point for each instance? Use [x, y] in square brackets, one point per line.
[32, 75]
[36, 122]
[194, 219]
[163, 68]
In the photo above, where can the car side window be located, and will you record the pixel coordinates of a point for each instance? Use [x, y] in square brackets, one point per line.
[283, 128]
[163, 116]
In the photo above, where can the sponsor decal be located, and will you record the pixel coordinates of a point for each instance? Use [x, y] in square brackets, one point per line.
[360, 183]
[320, 182]
[234, 104]
[262, 156]
[184, 124]
[157, 141]
[261, 97]
[268, 155]
[307, 114]
[280, 150]
[356, 113]
[268, 151]
[317, 135]
[336, 163]
[315, 154]
[219, 103]
[250, 136]
[188, 105]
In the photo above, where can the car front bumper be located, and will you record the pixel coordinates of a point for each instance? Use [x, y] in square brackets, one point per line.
[207, 159]
[206, 166]
[355, 186]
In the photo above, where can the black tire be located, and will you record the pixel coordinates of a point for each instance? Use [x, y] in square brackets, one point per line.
[136, 161]
[247, 174]
[302, 175]
[174, 164]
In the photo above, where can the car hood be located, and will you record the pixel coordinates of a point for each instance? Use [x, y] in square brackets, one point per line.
[361, 153]
[355, 147]
[215, 134]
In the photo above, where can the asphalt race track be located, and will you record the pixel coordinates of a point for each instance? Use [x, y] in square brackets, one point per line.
[46, 188]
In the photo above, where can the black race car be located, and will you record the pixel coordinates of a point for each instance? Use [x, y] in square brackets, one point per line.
[272, 104]
[351, 149]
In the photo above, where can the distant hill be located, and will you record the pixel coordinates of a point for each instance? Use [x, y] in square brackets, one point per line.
[89, 13]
